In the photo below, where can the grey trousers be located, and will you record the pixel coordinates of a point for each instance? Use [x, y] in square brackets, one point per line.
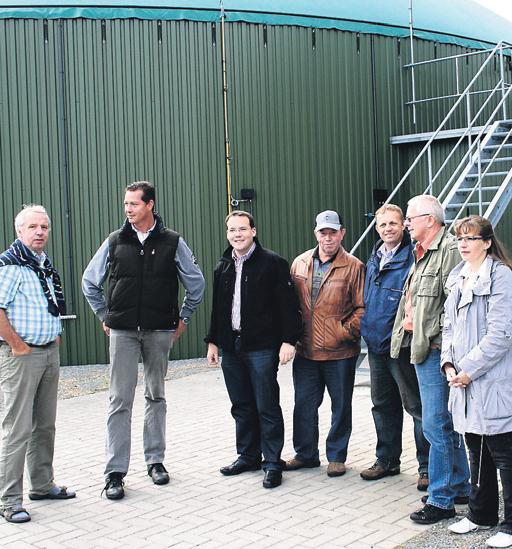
[29, 384]
[126, 348]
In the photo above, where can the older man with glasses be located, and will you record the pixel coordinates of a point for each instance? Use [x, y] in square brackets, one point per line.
[418, 324]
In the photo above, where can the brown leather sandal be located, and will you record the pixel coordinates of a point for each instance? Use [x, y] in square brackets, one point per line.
[16, 514]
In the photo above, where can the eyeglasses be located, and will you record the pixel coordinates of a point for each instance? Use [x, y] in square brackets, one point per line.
[239, 230]
[411, 217]
[468, 238]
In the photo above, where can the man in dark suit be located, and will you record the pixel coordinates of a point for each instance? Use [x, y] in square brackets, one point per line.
[256, 321]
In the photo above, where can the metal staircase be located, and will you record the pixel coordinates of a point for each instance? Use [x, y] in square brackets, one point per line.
[481, 183]
[485, 185]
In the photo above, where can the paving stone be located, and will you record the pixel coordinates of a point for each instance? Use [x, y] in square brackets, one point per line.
[202, 508]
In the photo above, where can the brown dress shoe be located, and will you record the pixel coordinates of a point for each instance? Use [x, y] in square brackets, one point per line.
[336, 469]
[294, 464]
[422, 485]
[376, 471]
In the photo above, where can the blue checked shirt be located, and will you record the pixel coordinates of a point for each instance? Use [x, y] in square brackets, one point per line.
[25, 304]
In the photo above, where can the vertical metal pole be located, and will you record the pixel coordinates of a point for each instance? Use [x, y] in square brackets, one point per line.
[429, 157]
[479, 152]
[457, 75]
[411, 34]
[225, 104]
[502, 75]
[468, 117]
[70, 292]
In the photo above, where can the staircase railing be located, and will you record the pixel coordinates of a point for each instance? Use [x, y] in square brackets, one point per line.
[501, 87]
[481, 175]
[473, 147]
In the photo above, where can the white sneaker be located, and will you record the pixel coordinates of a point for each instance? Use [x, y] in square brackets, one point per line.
[465, 526]
[500, 540]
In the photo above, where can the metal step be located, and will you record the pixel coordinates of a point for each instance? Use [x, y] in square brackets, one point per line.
[494, 147]
[466, 190]
[457, 206]
[500, 201]
[497, 159]
[488, 174]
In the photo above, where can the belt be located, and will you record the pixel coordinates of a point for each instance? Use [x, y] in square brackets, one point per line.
[32, 344]
[41, 346]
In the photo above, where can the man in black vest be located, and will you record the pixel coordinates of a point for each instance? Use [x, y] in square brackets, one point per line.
[256, 321]
[143, 261]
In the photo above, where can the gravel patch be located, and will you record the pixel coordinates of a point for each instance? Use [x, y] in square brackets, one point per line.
[439, 537]
[83, 380]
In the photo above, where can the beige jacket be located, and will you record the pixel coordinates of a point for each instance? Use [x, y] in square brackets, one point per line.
[428, 297]
[331, 327]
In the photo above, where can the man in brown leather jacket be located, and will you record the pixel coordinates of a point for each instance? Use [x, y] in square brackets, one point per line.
[329, 282]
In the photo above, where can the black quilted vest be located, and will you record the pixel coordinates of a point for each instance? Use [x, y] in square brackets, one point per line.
[143, 280]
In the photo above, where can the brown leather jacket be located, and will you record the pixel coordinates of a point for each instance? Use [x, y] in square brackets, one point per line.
[331, 329]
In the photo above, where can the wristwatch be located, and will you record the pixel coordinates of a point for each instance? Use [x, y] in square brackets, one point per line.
[185, 319]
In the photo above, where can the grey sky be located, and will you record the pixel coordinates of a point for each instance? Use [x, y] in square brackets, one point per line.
[501, 7]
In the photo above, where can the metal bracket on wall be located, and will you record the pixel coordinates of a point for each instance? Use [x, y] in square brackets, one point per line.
[246, 195]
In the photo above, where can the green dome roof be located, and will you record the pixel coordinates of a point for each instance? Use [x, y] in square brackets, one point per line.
[462, 22]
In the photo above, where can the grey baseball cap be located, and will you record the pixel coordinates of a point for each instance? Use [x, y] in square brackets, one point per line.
[328, 220]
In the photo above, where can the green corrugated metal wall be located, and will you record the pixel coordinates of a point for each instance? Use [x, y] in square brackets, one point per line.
[137, 101]
[89, 106]
[290, 126]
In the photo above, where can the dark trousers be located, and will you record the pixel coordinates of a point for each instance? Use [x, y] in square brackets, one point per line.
[310, 378]
[251, 381]
[485, 457]
[394, 386]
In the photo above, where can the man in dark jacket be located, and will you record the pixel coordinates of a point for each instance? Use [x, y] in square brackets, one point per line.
[394, 385]
[144, 262]
[256, 322]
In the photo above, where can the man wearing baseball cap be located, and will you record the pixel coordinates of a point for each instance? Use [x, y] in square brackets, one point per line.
[329, 282]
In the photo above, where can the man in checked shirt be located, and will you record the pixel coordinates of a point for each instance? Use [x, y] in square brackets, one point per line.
[256, 321]
[31, 302]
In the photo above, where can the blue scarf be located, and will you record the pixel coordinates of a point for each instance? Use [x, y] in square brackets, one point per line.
[18, 254]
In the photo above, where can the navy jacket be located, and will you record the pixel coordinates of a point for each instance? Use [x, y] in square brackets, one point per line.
[382, 293]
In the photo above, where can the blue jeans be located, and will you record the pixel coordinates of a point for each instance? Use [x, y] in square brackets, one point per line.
[448, 469]
[394, 386]
[251, 381]
[310, 377]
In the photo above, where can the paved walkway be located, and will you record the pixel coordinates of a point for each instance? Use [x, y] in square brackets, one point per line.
[202, 508]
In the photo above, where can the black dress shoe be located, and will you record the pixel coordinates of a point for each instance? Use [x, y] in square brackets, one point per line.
[238, 466]
[458, 500]
[272, 478]
[158, 473]
[114, 486]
